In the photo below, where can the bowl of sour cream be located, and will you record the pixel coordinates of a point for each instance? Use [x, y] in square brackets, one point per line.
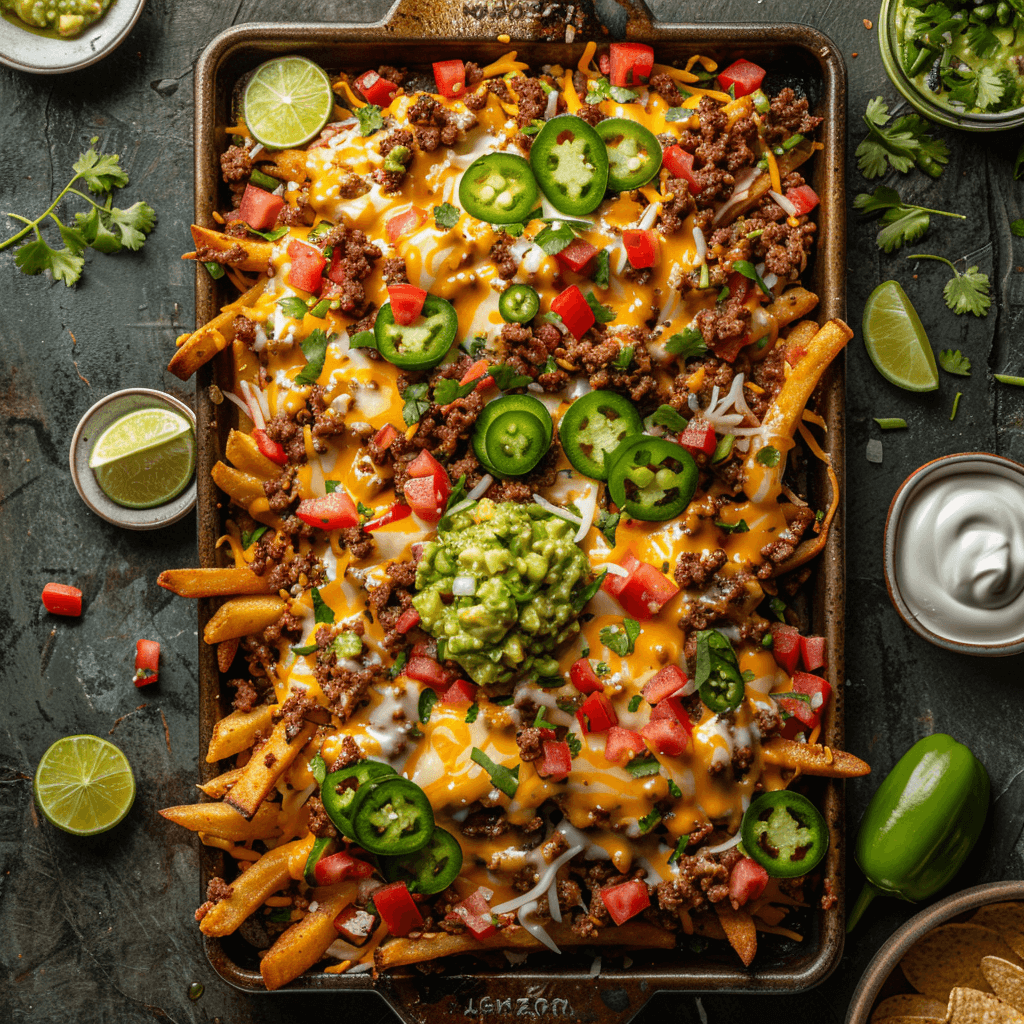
[954, 553]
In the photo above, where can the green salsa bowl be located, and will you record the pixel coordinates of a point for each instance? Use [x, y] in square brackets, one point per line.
[892, 20]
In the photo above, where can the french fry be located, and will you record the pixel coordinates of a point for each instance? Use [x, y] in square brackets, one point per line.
[302, 945]
[225, 822]
[640, 934]
[242, 488]
[739, 929]
[241, 616]
[218, 786]
[213, 582]
[243, 452]
[813, 759]
[800, 336]
[226, 651]
[257, 252]
[272, 872]
[289, 164]
[762, 184]
[265, 767]
[791, 305]
[237, 732]
[199, 349]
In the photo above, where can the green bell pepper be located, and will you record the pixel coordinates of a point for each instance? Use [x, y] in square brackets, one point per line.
[921, 823]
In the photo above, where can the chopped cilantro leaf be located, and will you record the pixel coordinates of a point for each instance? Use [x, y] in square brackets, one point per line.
[314, 348]
[686, 345]
[602, 269]
[635, 702]
[621, 641]
[501, 777]
[575, 745]
[471, 714]
[666, 416]
[768, 456]
[293, 306]
[322, 611]
[606, 523]
[416, 403]
[966, 292]
[954, 362]
[446, 216]
[369, 118]
[250, 538]
[643, 765]
[317, 768]
[602, 314]
[648, 821]
[428, 698]
[400, 662]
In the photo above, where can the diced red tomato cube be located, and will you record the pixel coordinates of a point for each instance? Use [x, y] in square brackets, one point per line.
[641, 247]
[307, 267]
[355, 925]
[147, 662]
[672, 708]
[646, 591]
[743, 76]
[786, 645]
[425, 465]
[375, 89]
[622, 745]
[403, 223]
[556, 762]
[574, 310]
[812, 652]
[630, 63]
[273, 450]
[427, 496]
[259, 208]
[816, 689]
[577, 254]
[584, 678]
[626, 900]
[699, 436]
[679, 164]
[460, 692]
[667, 682]
[804, 198]
[406, 302]
[427, 670]
[475, 912]
[339, 866]
[409, 619]
[450, 76]
[331, 512]
[60, 599]
[614, 582]
[397, 908]
[667, 736]
[385, 437]
[596, 714]
[747, 881]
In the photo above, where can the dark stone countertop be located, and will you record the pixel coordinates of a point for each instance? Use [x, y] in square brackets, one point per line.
[101, 929]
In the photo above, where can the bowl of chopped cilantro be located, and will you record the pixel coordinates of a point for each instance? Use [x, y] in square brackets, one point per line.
[958, 62]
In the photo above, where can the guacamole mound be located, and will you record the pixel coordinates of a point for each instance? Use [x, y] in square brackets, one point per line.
[527, 575]
[67, 17]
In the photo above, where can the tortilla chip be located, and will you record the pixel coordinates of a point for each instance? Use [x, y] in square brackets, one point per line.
[969, 1006]
[1006, 979]
[909, 1004]
[950, 956]
[1007, 919]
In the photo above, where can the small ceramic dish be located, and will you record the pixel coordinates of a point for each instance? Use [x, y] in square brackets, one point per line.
[92, 424]
[28, 49]
[881, 979]
[896, 525]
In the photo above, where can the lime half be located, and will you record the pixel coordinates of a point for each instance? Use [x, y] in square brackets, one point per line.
[84, 785]
[896, 341]
[287, 101]
[137, 432]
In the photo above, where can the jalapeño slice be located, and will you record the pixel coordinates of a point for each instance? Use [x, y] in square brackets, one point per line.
[392, 816]
[339, 790]
[524, 405]
[499, 188]
[594, 426]
[425, 342]
[652, 479]
[516, 442]
[571, 164]
[718, 677]
[429, 870]
[518, 304]
[634, 154]
[323, 846]
[785, 833]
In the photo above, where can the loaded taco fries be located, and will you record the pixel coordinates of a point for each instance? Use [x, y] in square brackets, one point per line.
[522, 365]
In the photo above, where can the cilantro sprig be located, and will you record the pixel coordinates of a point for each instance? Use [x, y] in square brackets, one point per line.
[964, 293]
[901, 145]
[902, 222]
[687, 344]
[621, 641]
[955, 362]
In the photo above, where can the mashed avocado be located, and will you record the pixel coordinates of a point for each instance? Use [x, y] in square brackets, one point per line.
[527, 576]
[67, 17]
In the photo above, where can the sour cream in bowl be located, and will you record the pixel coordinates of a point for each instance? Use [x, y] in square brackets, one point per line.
[954, 553]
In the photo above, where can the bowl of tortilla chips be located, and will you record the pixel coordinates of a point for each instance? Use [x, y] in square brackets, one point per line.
[960, 961]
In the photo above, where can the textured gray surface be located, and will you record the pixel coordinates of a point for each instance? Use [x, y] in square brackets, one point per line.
[101, 929]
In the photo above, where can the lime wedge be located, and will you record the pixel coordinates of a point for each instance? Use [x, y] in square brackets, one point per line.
[84, 785]
[896, 340]
[136, 432]
[152, 476]
[287, 101]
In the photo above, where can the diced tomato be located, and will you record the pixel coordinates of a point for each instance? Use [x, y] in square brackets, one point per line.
[450, 76]
[375, 89]
[576, 314]
[427, 670]
[743, 76]
[667, 736]
[395, 514]
[60, 599]
[630, 63]
[626, 900]
[812, 652]
[739, 286]
[577, 254]
[331, 512]
[427, 496]
[557, 761]
[259, 208]
[460, 692]
[680, 165]
[147, 662]
[804, 198]
[818, 690]
[425, 465]
[671, 707]
[786, 645]
[731, 348]
[273, 450]
[621, 745]
[406, 302]
[355, 925]
[614, 582]
[641, 247]
[584, 678]
[747, 881]
[339, 866]
[397, 909]
[385, 437]
[403, 223]
[475, 912]
[699, 436]
[596, 714]
[670, 680]
[646, 591]
[409, 619]
[307, 267]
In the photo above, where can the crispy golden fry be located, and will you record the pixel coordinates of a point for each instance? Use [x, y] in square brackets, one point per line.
[225, 822]
[265, 767]
[257, 253]
[237, 732]
[813, 759]
[242, 488]
[243, 452]
[739, 929]
[800, 336]
[241, 616]
[226, 651]
[217, 787]
[791, 305]
[213, 582]
[302, 945]
[396, 952]
[284, 164]
[273, 871]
